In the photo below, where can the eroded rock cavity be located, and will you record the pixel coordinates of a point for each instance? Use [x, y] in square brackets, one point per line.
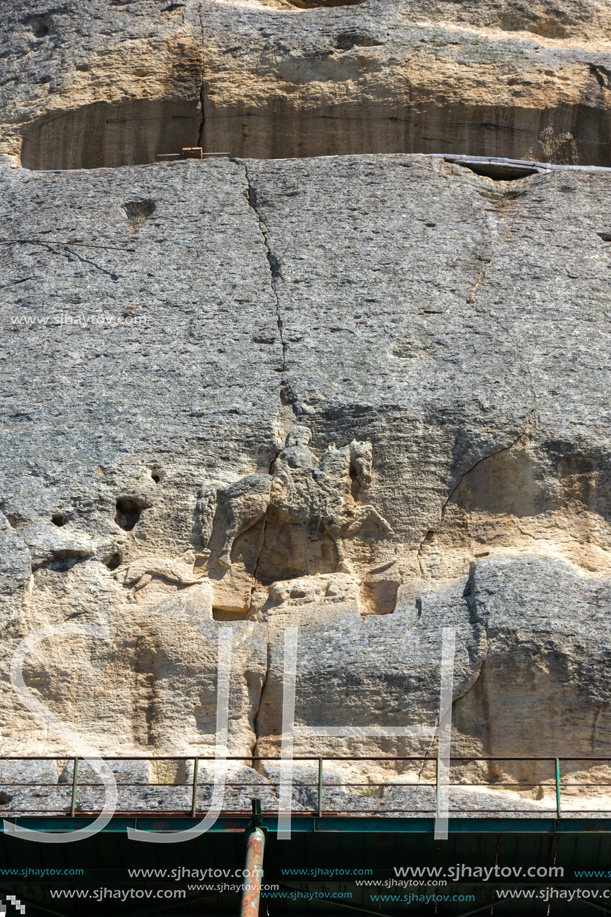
[131, 133]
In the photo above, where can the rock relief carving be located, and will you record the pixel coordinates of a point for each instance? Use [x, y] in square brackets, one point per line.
[280, 539]
[301, 490]
[326, 588]
[308, 599]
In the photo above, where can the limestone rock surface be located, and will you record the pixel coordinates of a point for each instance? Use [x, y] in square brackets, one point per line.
[444, 339]
[101, 83]
[320, 380]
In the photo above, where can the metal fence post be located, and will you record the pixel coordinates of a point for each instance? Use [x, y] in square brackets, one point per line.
[320, 760]
[194, 797]
[558, 813]
[74, 779]
[437, 787]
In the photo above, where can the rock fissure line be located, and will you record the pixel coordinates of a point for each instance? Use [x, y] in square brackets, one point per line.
[492, 221]
[287, 397]
[202, 125]
[477, 661]
[487, 252]
[255, 721]
[258, 558]
[487, 256]
[476, 676]
[482, 274]
[469, 597]
[490, 228]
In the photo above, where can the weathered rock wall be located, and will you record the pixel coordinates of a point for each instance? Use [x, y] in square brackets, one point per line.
[166, 326]
[106, 84]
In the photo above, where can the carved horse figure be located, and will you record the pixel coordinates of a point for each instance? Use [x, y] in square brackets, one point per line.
[320, 494]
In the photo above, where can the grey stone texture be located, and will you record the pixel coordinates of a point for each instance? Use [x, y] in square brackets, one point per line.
[165, 326]
[363, 394]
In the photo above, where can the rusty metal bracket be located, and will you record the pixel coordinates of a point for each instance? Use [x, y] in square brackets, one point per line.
[253, 867]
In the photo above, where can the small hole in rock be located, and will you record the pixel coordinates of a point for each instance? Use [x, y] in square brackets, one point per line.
[5, 799]
[139, 211]
[113, 561]
[499, 171]
[40, 28]
[156, 477]
[605, 236]
[128, 513]
[346, 41]
[313, 4]
[221, 614]
[63, 561]
[59, 519]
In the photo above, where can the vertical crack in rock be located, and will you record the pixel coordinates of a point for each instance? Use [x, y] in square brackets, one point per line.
[478, 651]
[512, 332]
[287, 397]
[489, 222]
[145, 695]
[256, 713]
[202, 89]
[480, 277]
[486, 257]
[257, 561]
[480, 219]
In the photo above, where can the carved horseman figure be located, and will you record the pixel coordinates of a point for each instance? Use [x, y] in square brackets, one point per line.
[296, 453]
[301, 491]
[292, 470]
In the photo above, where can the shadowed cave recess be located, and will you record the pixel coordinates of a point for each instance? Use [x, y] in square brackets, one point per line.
[351, 88]
[104, 135]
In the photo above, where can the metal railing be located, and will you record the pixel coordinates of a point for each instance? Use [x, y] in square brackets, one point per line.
[331, 797]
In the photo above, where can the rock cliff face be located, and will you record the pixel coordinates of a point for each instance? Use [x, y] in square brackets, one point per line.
[116, 83]
[366, 395]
